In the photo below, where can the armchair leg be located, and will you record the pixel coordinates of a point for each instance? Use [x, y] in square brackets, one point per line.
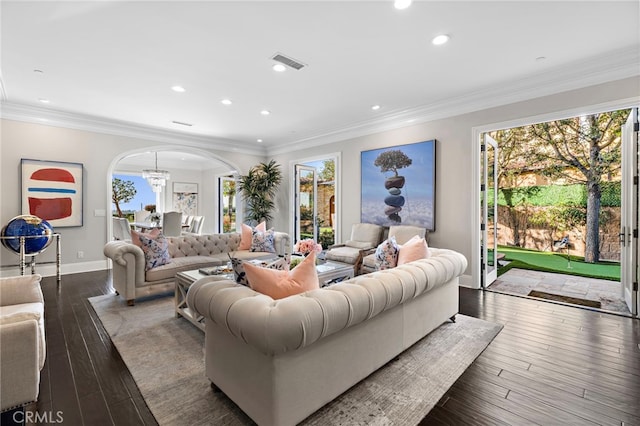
[131, 302]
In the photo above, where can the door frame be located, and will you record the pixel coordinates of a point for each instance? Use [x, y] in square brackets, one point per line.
[629, 252]
[475, 260]
[488, 277]
[337, 158]
[296, 208]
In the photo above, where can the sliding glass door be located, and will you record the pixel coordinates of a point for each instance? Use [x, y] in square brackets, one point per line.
[629, 253]
[488, 210]
[306, 213]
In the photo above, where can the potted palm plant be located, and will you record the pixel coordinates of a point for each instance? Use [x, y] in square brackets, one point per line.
[259, 188]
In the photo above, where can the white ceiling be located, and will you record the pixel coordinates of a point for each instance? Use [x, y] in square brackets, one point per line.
[115, 62]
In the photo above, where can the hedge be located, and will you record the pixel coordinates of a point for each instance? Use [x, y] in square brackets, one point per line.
[559, 195]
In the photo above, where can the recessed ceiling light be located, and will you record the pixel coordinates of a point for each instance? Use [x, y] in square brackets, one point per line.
[38, 71]
[402, 4]
[178, 89]
[441, 39]
[279, 68]
[44, 101]
[265, 112]
[259, 141]
[226, 102]
[375, 107]
[540, 58]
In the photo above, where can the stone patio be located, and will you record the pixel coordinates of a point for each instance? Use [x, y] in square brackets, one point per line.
[521, 282]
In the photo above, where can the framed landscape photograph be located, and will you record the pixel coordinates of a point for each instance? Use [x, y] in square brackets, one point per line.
[398, 185]
[52, 190]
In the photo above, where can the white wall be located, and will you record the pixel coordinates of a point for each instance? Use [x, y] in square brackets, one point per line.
[455, 201]
[98, 152]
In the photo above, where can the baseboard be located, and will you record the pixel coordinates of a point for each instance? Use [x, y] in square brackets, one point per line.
[49, 269]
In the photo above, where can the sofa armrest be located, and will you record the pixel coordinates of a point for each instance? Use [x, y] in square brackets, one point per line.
[20, 289]
[128, 266]
[19, 370]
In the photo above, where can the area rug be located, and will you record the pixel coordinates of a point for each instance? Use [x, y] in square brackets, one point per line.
[566, 299]
[166, 358]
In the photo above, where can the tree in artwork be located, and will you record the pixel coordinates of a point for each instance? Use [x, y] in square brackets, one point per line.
[393, 160]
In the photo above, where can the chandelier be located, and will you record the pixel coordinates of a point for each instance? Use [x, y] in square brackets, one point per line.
[156, 178]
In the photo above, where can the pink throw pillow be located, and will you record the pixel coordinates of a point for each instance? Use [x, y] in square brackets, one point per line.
[414, 249]
[247, 232]
[281, 284]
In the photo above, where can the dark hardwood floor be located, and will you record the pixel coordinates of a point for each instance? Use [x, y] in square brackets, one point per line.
[550, 365]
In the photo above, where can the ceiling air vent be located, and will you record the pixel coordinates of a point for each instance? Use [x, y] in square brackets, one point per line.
[290, 62]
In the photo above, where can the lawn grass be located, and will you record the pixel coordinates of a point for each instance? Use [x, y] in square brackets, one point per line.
[557, 263]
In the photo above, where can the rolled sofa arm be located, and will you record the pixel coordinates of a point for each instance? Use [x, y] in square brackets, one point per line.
[20, 369]
[128, 266]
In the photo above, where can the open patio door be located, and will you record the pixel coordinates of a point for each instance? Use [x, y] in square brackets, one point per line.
[306, 214]
[488, 210]
[629, 252]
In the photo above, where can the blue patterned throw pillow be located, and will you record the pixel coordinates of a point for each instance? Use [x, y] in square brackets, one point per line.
[263, 241]
[156, 250]
[387, 254]
[281, 264]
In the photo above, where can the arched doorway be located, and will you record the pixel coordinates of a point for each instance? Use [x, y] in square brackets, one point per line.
[191, 169]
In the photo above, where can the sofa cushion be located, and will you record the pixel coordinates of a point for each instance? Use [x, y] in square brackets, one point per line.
[263, 241]
[10, 314]
[156, 250]
[247, 231]
[279, 284]
[179, 264]
[348, 255]
[414, 249]
[386, 256]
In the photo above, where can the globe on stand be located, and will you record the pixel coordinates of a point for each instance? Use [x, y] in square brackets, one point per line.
[39, 234]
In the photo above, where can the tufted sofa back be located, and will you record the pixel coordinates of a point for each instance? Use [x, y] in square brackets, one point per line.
[203, 245]
[276, 326]
[212, 244]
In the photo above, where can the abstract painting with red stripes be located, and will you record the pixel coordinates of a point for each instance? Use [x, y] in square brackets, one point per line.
[53, 191]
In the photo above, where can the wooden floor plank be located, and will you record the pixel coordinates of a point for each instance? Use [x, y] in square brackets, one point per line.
[550, 362]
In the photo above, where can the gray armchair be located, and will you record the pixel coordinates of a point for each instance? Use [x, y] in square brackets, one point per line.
[364, 238]
[22, 340]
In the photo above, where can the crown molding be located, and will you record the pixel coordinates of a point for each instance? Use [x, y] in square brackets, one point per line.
[58, 118]
[614, 66]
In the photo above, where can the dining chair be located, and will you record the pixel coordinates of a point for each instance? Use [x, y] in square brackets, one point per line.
[172, 224]
[196, 225]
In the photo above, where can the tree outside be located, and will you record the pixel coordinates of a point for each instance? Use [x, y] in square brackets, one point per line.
[122, 191]
[580, 157]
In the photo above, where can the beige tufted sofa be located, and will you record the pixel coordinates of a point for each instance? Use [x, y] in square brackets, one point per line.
[281, 360]
[131, 281]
